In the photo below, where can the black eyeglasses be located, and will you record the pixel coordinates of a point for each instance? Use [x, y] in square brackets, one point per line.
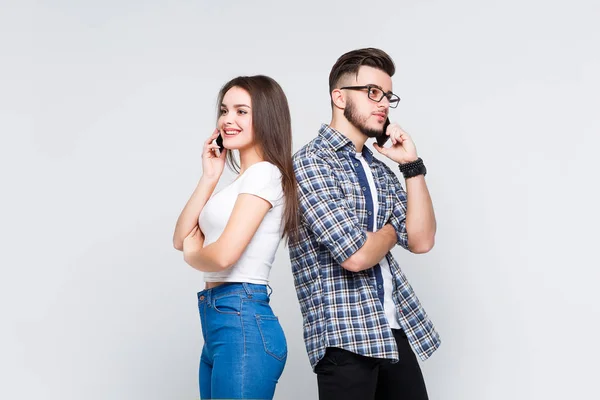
[376, 94]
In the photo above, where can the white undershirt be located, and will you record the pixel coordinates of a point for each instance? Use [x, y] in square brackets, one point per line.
[388, 286]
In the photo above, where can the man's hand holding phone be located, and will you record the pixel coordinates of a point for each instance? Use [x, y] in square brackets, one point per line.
[403, 149]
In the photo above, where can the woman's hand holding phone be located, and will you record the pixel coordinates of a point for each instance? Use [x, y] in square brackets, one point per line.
[213, 159]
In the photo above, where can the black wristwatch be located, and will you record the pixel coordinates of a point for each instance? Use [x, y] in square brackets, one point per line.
[412, 169]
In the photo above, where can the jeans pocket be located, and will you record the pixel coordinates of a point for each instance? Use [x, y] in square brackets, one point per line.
[228, 304]
[272, 336]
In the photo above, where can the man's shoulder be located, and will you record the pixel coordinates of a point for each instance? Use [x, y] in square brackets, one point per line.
[316, 150]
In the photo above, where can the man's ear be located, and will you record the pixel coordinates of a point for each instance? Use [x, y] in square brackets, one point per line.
[338, 99]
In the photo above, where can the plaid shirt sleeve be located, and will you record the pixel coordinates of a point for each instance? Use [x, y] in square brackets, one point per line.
[398, 217]
[324, 209]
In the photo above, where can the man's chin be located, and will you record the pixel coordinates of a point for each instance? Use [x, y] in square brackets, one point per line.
[372, 133]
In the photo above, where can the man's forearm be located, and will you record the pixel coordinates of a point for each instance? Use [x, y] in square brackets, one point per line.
[420, 217]
[378, 244]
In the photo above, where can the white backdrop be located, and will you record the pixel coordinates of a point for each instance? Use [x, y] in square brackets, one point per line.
[104, 106]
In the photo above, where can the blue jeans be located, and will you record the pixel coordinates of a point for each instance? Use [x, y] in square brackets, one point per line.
[244, 345]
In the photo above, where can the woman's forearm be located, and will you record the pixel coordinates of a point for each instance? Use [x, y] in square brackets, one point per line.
[188, 219]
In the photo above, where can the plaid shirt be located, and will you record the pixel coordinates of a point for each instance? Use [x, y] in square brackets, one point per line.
[342, 308]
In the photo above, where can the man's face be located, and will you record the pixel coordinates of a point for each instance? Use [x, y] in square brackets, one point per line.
[365, 114]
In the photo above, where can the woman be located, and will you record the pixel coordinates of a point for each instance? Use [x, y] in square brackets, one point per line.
[233, 236]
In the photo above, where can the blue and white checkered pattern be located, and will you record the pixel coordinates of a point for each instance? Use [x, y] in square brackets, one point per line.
[342, 308]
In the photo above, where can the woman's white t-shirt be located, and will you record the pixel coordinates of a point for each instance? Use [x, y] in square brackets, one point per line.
[262, 179]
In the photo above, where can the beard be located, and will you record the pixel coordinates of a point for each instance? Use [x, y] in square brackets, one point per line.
[360, 122]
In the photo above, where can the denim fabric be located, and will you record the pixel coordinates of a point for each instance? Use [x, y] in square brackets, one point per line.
[244, 349]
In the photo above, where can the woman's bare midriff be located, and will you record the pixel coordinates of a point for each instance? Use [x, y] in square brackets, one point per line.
[210, 285]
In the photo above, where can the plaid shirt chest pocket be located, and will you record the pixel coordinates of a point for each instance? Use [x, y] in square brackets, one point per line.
[351, 190]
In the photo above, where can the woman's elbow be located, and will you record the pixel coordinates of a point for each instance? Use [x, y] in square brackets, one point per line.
[223, 263]
[178, 244]
[225, 258]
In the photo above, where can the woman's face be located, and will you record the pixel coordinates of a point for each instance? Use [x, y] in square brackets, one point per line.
[235, 119]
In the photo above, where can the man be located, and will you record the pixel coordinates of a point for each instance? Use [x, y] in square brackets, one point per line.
[362, 320]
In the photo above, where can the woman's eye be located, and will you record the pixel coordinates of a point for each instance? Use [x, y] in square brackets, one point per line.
[223, 111]
[242, 112]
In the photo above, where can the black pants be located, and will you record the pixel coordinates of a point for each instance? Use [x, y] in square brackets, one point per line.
[343, 375]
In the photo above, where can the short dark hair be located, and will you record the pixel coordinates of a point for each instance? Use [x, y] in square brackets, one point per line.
[351, 62]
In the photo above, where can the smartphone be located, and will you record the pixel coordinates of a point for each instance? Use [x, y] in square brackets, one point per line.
[383, 138]
[220, 142]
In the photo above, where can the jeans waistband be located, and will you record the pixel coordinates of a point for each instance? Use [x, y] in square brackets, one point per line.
[231, 288]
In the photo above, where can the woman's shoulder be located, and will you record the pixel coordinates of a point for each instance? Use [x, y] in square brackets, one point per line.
[262, 179]
[264, 169]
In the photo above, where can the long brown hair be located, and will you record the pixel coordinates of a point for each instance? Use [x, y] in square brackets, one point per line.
[272, 125]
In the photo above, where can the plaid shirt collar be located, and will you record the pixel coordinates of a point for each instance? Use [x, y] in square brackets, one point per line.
[340, 142]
